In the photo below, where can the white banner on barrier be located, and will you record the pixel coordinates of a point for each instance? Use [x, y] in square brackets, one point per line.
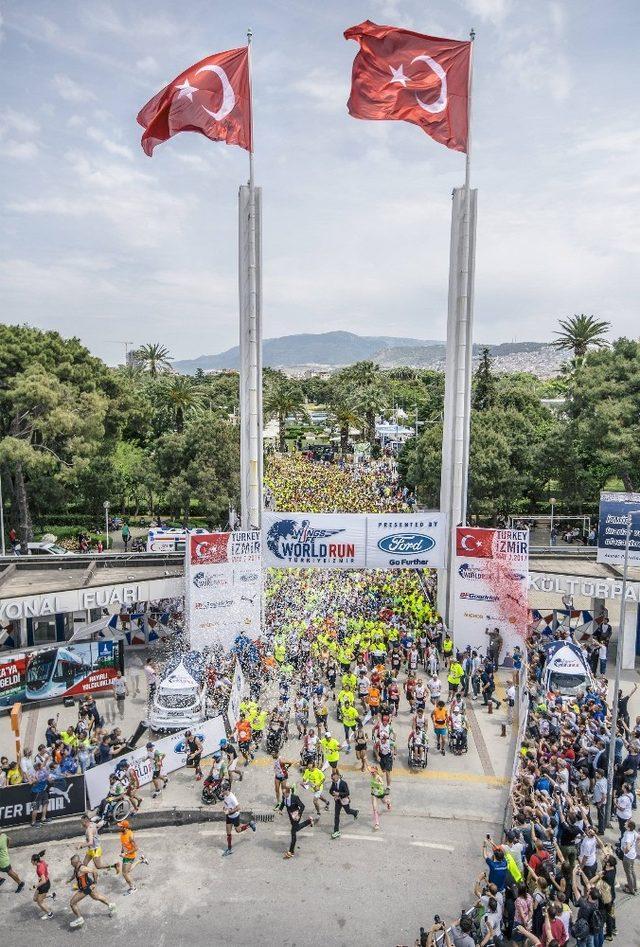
[174, 747]
[233, 710]
[223, 587]
[491, 588]
[353, 540]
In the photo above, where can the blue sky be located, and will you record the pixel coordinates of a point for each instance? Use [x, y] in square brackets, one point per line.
[102, 242]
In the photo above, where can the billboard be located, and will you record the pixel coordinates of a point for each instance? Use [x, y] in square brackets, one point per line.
[490, 587]
[612, 528]
[62, 671]
[223, 587]
[66, 797]
[353, 540]
[210, 733]
[399, 541]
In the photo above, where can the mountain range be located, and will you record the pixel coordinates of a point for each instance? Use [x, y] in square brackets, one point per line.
[329, 350]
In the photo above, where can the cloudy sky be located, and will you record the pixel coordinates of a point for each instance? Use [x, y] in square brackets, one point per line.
[102, 242]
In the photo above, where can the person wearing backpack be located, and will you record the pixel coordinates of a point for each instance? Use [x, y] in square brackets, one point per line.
[588, 928]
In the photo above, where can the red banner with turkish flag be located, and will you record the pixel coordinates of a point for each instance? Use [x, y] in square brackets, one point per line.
[474, 542]
[213, 97]
[403, 76]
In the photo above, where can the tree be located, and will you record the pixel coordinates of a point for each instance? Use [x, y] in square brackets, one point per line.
[343, 415]
[282, 399]
[579, 333]
[153, 358]
[484, 383]
[370, 392]
[183, 397]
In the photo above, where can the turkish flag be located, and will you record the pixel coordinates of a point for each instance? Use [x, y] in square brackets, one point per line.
[403, 76]
[474, 542]
[212, 98]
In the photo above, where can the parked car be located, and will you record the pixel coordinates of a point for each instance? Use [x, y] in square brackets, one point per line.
[45, 549]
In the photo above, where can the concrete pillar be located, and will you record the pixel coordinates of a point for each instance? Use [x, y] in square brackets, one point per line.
[22, 633]
[629, 636]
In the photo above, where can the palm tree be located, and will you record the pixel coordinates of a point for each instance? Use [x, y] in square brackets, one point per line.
[153, 357]
[343, 416]
[580, 332]
[182, 397]
[370, 393]
[283, 398]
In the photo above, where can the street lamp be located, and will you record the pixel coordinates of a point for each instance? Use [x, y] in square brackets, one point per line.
[552, 501]
[106, 506]
[616, 687]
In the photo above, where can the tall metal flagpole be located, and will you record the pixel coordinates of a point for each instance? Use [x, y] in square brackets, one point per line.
[251, 510]
[456, 426]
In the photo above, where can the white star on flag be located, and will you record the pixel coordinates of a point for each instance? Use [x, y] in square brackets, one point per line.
[186, 90]
[399, 76]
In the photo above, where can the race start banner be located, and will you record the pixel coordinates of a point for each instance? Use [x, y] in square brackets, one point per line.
[612, 528]
[353, 540]
[54, 673]
[490, 592]
[223, 588]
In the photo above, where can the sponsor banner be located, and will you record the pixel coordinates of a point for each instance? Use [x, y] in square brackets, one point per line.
[405, 541]
[66, 797]
[490, 587]
[353, 541]
[210, 732]
[612, 528]
[54, 673]
[325, 540]
[223, 585]
[233, 710]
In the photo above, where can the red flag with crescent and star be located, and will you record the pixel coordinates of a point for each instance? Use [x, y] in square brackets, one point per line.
[408, 77]
[474, 542]
[213, 97]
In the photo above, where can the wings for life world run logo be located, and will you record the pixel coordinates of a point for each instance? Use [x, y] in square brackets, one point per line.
[299, 542]
[476, 573]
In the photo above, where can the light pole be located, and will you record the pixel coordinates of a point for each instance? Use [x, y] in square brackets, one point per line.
[616, 687]
[552, 501]
[106, 506]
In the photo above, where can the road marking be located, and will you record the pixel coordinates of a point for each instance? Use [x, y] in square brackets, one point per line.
[442, 848]
[479, 741]
[358, 838]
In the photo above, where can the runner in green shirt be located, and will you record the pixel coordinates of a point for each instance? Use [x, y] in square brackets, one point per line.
[5, 863]
[313, 779]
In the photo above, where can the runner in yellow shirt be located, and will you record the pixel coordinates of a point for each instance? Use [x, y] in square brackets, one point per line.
[313, 780]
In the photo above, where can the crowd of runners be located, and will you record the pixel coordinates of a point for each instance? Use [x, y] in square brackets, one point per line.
[351, 661]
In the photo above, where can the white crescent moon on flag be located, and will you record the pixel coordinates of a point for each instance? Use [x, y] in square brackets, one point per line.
[463, 542]
[441, 104]
[228, 95]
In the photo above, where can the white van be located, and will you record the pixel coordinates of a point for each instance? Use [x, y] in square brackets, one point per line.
[181, 696]
[566, 670]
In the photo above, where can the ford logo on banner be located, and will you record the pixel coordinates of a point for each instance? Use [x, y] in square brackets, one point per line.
[406, 544]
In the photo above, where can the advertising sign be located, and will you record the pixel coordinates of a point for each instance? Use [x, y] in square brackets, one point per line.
[66, 797]
[223, 586]
[405, 541]
[612, 528]
[490, 590]
[55, 673]
[211, 732]
[325, 540]
[353, 540]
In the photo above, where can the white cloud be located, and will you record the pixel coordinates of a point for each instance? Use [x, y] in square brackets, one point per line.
[20, 150]
[71, 91]
[495, 11]
[148, 65]
[113, 147]
[328, 90]
[18, 122]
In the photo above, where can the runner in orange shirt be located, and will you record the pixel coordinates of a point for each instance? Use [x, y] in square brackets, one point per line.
[129, 852]
[243, 731]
